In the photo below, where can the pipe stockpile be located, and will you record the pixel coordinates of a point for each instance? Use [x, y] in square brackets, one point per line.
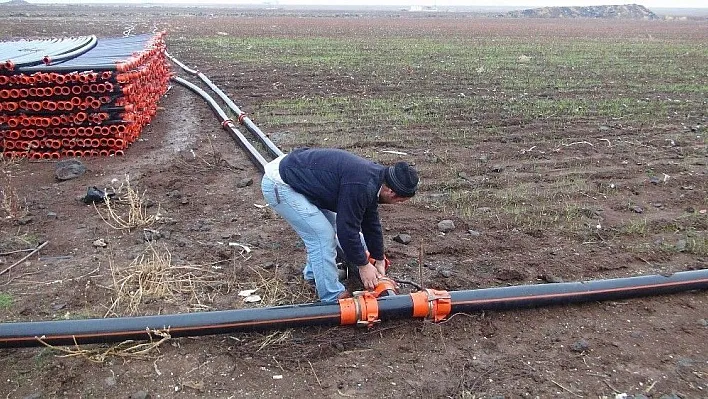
[79, 97]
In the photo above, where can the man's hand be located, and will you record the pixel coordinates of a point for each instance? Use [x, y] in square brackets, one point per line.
[369, 275]
[380, 266]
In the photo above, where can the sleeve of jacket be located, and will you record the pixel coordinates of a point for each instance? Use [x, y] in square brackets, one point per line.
[352, 205]
[371, 228]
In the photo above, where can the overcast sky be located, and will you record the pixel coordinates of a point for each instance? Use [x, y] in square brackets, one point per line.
[408, 3]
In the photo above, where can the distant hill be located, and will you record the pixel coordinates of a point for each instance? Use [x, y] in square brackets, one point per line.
[627, 11]
[15, 3]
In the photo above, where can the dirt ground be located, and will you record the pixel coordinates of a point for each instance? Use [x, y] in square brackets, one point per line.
[189, 170]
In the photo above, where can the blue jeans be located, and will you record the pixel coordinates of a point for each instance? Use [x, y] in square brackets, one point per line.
[316, 228]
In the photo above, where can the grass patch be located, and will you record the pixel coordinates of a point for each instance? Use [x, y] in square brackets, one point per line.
[5, 301]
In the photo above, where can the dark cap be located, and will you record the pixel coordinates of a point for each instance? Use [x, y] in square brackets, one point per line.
[402, 179]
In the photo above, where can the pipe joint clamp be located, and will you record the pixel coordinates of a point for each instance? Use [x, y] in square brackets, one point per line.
[431, 304]
[362, 310]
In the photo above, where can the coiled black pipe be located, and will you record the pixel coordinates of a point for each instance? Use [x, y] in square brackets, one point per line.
[227, 123]
[69, 332]
[245, 120]
[72, 53]
[105, 55]
[34, 52]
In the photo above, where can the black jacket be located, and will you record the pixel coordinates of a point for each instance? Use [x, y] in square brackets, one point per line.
[344, 183]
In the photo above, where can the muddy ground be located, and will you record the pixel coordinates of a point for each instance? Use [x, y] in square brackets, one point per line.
[189, 170]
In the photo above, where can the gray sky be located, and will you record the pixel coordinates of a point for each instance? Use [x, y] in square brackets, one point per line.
[408, 3]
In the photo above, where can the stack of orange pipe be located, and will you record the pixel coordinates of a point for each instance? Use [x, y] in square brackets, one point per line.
[50, 114]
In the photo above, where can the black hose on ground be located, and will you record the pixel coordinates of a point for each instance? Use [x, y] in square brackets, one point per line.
[364, 309]
[227, 123]
[272, 149]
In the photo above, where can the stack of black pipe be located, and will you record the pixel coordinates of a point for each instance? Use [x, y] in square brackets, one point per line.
[78, 96]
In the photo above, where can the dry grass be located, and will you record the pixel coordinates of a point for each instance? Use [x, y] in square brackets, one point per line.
[10, 202]
[153, 276]
[126, 349]
[129, 210]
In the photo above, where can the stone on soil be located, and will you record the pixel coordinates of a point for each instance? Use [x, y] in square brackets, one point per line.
[402, 238]
[446, 226]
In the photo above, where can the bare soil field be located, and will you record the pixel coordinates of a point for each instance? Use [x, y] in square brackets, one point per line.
[561, 150]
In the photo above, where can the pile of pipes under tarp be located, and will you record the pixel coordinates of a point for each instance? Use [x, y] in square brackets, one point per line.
[78, 96]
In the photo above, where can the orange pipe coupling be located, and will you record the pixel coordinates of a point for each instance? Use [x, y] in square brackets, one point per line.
[362, 309]
[431, 304]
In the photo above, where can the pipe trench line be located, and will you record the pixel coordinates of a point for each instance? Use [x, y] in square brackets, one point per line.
[227, 124]
[242, 117]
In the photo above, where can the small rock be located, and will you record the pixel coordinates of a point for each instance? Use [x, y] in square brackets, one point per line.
[580, 346]
[69, 169]
[100, 243]
[445, 273]
[549, 278]
[174, 194]
[638, 396]
[51, 215]
[474, 233]
[681, 245]
[245, 182]
[150, 235]
[140, 395]
[403, 239]
[25, 220]
[654, 180]
[184, 201]
[497, 168]
[269, 265]
[95, 194]
[58, 306]
[110, 381]
[446, 226]
[669, 396]
[484, 209]
[36, 395]
[604, 128]
[636, 209]
[703, 322]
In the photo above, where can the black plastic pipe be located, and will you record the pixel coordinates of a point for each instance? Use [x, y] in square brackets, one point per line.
[272, 149]
[105, 55]
[227, 123]
[72, 53]
[69, 332]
